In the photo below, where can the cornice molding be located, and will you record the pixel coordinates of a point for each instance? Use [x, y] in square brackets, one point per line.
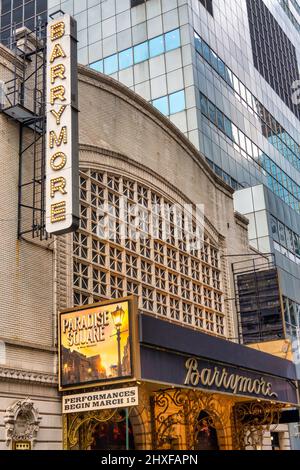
[10, 373]
[7, 54]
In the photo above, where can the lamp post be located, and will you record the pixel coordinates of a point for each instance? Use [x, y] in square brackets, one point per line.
[117, 317]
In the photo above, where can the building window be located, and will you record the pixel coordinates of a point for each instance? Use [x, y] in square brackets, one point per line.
[156, 46]
[135, 3]
[172, 40]
[274, 55]
[285, 240]
[125, 59]
[169, 280]
[271, 129]
[139, 53]
[208, 5]
[162, 104]
[20, 13]
[177, 102]
[277, 180]
[170, 104]
[111, 64]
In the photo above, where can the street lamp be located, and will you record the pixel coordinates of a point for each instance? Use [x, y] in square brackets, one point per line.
[117, 317]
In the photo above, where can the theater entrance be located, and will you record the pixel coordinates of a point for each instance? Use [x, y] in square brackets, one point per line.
[206, 434]
[101, 430]
[111, 435]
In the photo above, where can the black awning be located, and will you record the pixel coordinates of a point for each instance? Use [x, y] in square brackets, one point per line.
[172, 337]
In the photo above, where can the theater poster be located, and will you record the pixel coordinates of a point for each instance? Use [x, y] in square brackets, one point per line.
[95, 344]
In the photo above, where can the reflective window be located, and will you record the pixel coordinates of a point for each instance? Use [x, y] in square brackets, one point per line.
[206, 52]
[281, 231]
[141, 52]
[172, 40]
[221, 68]
[297, 244]
[156, 46]
[228, 128]
[111, 64]
[274, 55]
[214, 59]
[125, 59]
[162, 105]
[274, 228]
[212, 112]
[97, 66]
[203, 103]
[236, 84]
[235, 134]
[225, 177]
[277, 180]
[289, 239]
[198, 43]
[177, 102]
[271, 129]
[220, 120]
[208, 5]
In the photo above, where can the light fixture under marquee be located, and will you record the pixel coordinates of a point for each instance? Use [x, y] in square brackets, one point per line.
[62, 205]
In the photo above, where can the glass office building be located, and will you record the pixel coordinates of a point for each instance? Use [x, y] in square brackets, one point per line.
[17, 13]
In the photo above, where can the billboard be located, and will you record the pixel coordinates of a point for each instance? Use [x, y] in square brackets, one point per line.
[96, 344]
[62, 173]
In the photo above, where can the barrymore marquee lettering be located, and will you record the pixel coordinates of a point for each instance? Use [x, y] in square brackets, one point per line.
[62, 133]
[216, 377]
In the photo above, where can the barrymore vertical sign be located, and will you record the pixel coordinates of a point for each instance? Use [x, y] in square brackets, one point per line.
[62, 127]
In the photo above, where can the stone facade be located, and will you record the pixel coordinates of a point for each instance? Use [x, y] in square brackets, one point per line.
[28, 344]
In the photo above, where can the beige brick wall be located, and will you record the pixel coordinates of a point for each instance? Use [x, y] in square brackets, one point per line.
[26, 297]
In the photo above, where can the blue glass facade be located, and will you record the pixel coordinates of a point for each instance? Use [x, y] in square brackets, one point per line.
[139, 53]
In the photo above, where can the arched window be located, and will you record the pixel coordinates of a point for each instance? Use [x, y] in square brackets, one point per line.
[149, 252]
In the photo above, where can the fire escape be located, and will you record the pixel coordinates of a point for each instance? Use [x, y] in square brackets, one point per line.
[24, 102]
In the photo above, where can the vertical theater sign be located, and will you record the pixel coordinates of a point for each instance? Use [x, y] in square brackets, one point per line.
[62, 127]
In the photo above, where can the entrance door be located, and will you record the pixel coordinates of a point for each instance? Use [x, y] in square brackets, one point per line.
[112, 436]
[206, 438]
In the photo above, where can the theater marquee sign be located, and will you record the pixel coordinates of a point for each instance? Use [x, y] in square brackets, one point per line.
[224, 379]
[62, 127]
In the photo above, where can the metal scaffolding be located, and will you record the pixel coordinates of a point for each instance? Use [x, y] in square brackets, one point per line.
[25, 102]
[258, 299]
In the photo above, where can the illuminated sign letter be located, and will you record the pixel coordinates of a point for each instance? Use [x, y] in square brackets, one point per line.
[57, 93]
[58, 212]
[62, 138]
[56, 53]
[62, 161]
[58, 184]
[57, 71]
[62, 170]
[57, 30]
[58, 114]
